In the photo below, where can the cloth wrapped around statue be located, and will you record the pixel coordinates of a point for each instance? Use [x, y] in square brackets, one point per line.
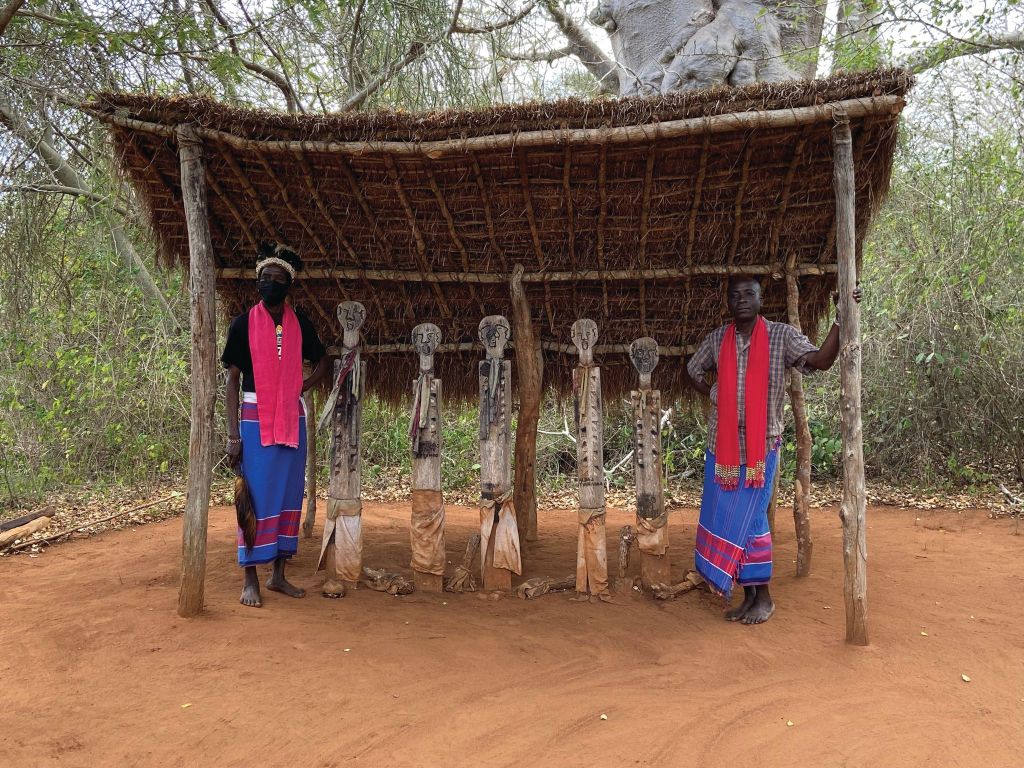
[504, 531]
[652, 535]
[426, 533]
[591, 553]
[345, 522]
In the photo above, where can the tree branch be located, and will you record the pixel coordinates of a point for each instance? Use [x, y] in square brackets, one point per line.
[954, 48]
[275, 77]
[68, 177]
[535, 55]
[7, 13]
[583, 47]
[416, 51]
[60, 189]
[498, 25]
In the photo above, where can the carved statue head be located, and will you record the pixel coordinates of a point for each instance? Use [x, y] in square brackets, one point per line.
[644, 354]
[351, 315]
[584, 336]
[494, 335]
[425, 338]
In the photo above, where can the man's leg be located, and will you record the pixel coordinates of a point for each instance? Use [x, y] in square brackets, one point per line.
[278, 583]
[251, 588]
[736, 614]
[762, 608]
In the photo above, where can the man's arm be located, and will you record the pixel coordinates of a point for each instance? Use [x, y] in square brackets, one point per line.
[322, 367]
[234, 446]
[826, 355]
[702, 361]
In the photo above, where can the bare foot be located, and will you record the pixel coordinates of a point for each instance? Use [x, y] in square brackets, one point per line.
[251, 588]
[251, 596]
[285, 587]
[736, 614]
[333, 589]
[762, 609]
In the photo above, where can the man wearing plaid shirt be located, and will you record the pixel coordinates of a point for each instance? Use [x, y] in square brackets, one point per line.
[733, 539]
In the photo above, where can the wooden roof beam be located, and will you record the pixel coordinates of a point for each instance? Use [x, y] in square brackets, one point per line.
[454, 234]
[250, 191]
[421, 246]
[538, 248]
[314, 193]
[488, 214]
[614, 275]
[626, 134]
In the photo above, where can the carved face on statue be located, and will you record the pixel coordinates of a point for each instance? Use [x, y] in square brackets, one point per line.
[425, 338]
[494, 335]
[351, 315]
[644, 355]
[584, 336]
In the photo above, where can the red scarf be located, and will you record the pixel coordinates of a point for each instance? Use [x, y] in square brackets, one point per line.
[727, 442]
[278, 380]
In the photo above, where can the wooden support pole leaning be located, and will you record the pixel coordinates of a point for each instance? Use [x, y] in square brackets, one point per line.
[530, 372]
[426, 530]
[499, 533]
[203, 321]
[802, 482]
[852, 511]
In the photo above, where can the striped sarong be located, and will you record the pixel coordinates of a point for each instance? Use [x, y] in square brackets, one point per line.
[276, 476]
[734, 543]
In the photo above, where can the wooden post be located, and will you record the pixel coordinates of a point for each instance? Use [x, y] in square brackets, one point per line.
[530, 373]
[591, 543]
[802, 483]
[499, 534]
[852, 512]
[203, 319]
[651, 517]
[341, 550]
[426, 531]
[310, 519]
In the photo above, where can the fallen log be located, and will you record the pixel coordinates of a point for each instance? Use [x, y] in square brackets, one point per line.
[73, 529]
[17, 522]
[13, 534]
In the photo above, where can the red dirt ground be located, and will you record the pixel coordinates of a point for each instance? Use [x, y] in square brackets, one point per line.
[97, 668]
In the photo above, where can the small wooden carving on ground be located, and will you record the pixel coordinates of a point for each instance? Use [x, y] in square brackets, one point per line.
[499, 536]
[342, 549]
[651, 517]
[591, 547]
[426, 532]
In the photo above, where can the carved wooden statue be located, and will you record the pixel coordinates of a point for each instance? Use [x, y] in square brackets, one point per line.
[591, 546]
[427, 528]
[499, 536]
[651, 517]
[342, 549]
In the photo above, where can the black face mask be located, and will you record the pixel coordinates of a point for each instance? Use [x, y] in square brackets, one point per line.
[272, 292]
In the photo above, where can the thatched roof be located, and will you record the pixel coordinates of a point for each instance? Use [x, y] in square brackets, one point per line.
[627, 211]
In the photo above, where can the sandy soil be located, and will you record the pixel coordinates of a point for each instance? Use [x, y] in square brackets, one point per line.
[97, 668]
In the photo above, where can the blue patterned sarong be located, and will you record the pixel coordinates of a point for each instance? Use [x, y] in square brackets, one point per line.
[734, 543]
[276, 476]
